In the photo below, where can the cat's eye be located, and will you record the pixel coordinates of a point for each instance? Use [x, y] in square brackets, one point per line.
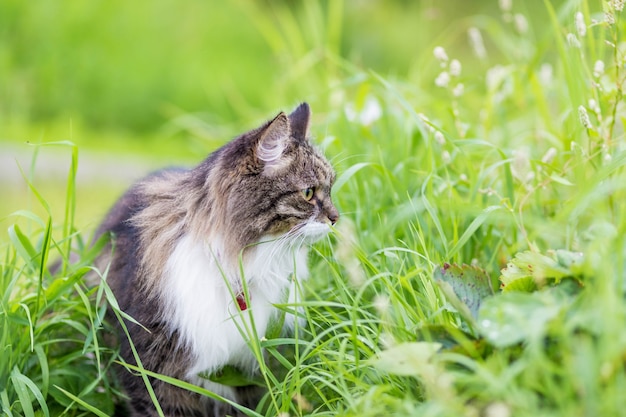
[307, 193]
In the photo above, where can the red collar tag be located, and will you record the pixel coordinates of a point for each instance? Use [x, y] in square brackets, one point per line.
[241, 301]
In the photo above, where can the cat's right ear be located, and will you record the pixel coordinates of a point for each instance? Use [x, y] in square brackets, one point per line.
[272, 143]
[300, 119]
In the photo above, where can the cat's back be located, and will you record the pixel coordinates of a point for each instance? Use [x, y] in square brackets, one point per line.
[133, 201]
[122, 255]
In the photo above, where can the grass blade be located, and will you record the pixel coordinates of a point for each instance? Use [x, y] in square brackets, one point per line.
[84, 404]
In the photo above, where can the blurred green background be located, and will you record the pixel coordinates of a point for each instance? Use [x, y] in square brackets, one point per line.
[143, 84]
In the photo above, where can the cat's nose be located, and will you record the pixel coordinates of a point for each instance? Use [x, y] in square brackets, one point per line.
[333, 215]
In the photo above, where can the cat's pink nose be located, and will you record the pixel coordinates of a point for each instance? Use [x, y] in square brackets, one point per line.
[333, 215]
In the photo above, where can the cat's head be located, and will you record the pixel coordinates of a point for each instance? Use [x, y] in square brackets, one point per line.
[272, 182]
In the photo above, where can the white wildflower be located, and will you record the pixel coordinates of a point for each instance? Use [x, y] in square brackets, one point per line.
[546, 74]
[593, 106]
[618, 5]
[607, 158]
[598, 68]
[463, 128]
[455, 68]
[584, 117]
[609, 17]
[381, 303]
[505, 5]
[337, 97]
[495, 77]
[520, 166]
[497, 409]
[439, 138]
[572, 40]
[476, 41]
[427, 123]
[549, 156]
[581, 27]
[442, 79]
[446, 157]
[440, 54]
[521, 24]
[370, 112]
[387, 340]
[458, 90]
[302, 402]
[346, 252]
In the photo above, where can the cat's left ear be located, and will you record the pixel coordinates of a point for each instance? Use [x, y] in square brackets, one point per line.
[299, 121]
[273, 141]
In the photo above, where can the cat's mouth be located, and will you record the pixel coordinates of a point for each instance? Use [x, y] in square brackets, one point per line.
[312, 231]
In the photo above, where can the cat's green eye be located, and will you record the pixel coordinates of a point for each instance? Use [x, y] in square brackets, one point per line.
[307, 193]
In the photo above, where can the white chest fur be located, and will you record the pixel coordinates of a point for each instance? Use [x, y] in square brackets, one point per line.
[198, 294]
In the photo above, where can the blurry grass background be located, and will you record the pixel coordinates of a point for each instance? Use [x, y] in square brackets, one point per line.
[141, 85]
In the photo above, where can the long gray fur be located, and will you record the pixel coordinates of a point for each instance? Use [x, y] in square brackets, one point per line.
[248, 189]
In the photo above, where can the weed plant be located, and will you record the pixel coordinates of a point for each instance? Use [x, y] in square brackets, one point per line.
[479, 264]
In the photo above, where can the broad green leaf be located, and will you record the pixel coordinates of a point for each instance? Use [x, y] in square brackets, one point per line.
[515, 317]
[541, 269]
[454, 300]
[407, 359]
[571, 260]
[469, 284]
[522, 284]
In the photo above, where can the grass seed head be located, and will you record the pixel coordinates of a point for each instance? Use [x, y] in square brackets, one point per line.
[581, 27]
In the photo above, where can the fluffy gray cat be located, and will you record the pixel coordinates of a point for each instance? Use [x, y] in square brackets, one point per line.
[184, 241]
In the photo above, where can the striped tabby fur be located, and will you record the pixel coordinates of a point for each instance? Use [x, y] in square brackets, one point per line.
[183, 241]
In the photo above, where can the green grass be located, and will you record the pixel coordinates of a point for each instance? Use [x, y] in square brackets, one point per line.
[509, 172]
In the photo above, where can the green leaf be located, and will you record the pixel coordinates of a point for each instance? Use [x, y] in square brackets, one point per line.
[82, 403]
[541, 269]
[23, 246]
[516, 317]
[570, 260]
[407, 359]
[476, 223]
[522, 284]
[561, 180]
[347, 174]
[465, 286]
[190, 387]
[24, 387]
[232, 377]
[4, 402]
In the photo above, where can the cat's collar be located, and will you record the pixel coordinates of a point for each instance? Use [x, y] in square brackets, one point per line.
[241, 301]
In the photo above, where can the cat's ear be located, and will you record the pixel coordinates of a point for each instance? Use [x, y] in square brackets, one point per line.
[299, 120]
[273, 141]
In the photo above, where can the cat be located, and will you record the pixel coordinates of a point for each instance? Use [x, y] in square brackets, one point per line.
[184, 241]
